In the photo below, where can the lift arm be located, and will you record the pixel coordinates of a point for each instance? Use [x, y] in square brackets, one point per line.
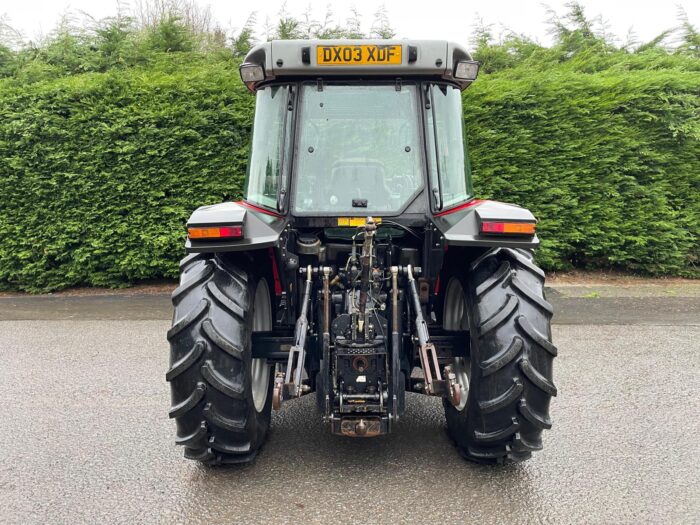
[288, 384]
[434, 384]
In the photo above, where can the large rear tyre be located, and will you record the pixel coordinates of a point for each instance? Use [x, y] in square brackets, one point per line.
[221, 397]
[508, 374]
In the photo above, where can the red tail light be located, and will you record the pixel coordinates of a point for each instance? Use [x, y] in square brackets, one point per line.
[207, 233]
[508, 228]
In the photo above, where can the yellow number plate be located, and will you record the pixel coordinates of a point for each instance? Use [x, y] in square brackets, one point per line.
[358, 55]
[356, 221]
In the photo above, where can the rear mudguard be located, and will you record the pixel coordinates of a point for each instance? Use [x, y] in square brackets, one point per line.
[261, 228]
[460, 226]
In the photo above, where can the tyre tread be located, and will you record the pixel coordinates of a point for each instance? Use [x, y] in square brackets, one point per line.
[501, 276]
[231, 425]
[197, 435]
[221, 341]
[501, 316]
[510, 320]
[536, 378]
[189, 359]
[217, 423]
[501, 359]
[507, 397]
[542, 422]
[189, 402]
[499, 434]
[538, 338]
[193, 281]
[218, 382]
[189, 318]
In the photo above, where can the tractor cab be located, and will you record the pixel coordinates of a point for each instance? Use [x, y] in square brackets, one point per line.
[358, 127]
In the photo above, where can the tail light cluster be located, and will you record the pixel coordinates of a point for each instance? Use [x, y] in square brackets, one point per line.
[507, 228]
[211, 233]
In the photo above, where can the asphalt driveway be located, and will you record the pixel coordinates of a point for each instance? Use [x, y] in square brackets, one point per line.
[84, 433]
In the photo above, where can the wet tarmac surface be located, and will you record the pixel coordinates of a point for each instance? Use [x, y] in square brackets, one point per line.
[85, 438]
[569, 309]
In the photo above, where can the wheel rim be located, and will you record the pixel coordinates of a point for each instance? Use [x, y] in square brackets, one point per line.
[259, 368]
[456, 317]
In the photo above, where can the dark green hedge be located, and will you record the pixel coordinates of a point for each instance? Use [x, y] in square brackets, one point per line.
[609, 161]
[99, 171]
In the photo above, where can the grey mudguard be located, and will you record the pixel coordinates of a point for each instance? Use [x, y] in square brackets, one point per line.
[260, 229]
[461, 227]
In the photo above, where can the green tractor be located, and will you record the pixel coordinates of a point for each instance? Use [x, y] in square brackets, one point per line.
[359, 265]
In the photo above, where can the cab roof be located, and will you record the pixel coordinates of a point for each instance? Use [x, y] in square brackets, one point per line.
[364, 58]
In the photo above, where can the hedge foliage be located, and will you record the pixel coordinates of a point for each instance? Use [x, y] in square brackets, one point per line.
[102, 159]
[608, 159]
[99, 172]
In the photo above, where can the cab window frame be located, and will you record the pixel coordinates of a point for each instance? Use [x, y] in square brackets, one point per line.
[433, 164]
[286, 149]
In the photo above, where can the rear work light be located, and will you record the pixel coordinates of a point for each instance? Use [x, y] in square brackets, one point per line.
[508, 228]
[467, 70]
[252, 74]
[208, 233]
